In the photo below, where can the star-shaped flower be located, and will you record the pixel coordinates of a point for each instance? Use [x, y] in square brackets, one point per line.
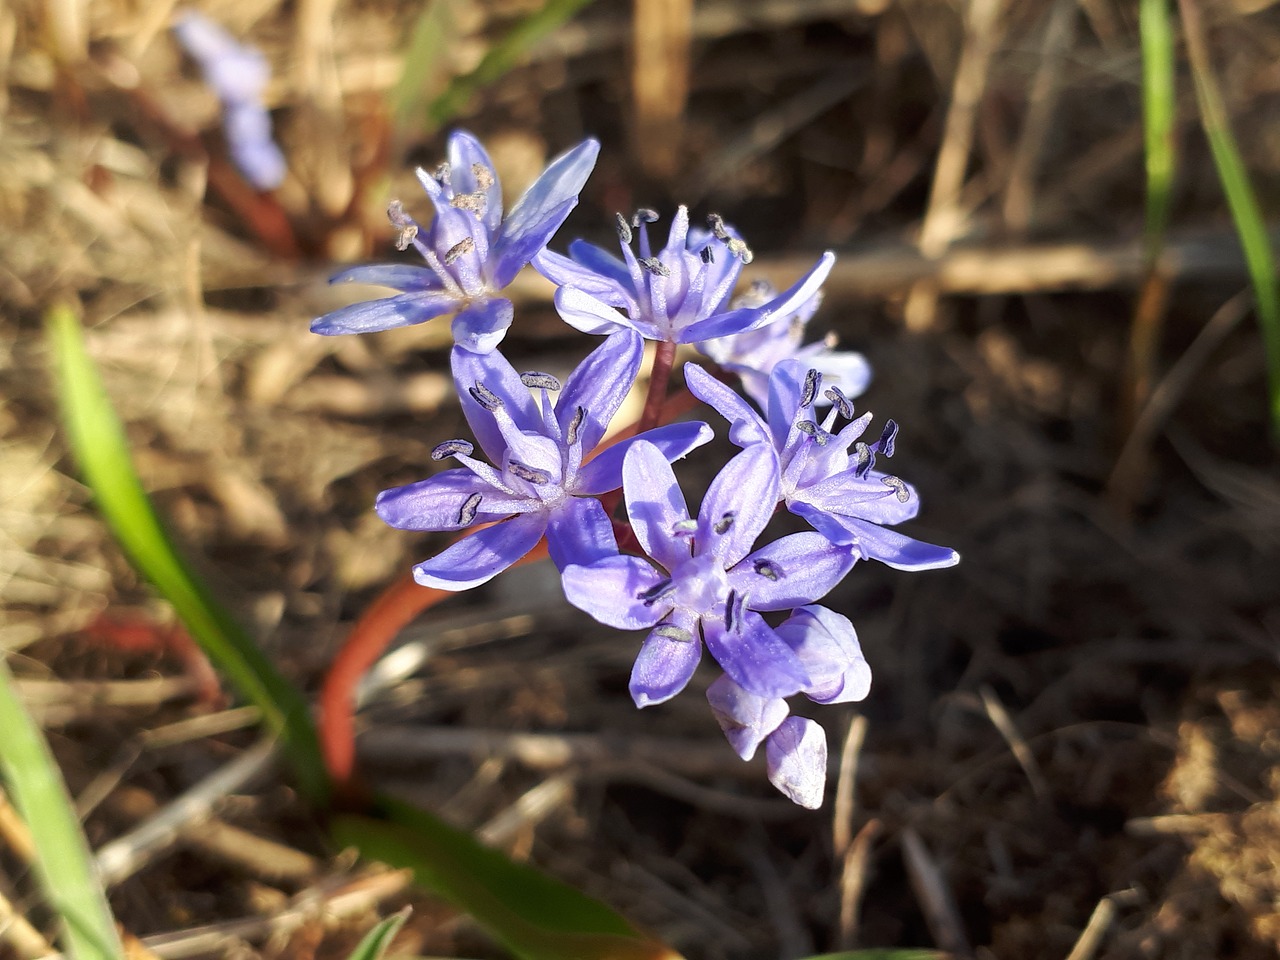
[678, 295]
[471, 252]
[843, 497]
[704, 582]
[538, 481]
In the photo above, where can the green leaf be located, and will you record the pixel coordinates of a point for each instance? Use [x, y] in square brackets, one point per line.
[63, 864]
[535, 916]
[502, 57]
[1241, 199]
[1159, 115]
[424, 73]
[883, 953]
[98, 442]
[374, 943]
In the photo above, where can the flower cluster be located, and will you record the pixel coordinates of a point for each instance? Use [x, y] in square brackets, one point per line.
[708, 579]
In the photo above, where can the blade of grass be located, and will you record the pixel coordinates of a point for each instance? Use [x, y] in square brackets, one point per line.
[374, 944]
[62, 855]
[502, 56]
[1240, 198]
[98, 442]
[535, 916]
[424, 74]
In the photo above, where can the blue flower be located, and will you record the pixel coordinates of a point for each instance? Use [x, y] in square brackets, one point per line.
[237, 74]
[538, 481]
[796, 748]
[754, 354]
[678, 295]
[704, 583]
[471, 252]
[843, 497]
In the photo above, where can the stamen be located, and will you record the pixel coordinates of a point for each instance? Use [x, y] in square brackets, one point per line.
[403, 223]
[888, 438]
[575, 425]
[654, 265]
[484, 176]
[899, 488]
[729, 604]
[443, 172]
[485, 397]
[451, 448]
[669, 631]
[539, 381]
[644, 215]
[655, 593]
[467, 515]
[866, 459]
[811, 429]
[684, 528]
[722, 525]
[474, 202]
[716, 223]
[706, 255]
[624, 229]
[531, 474]
[837, 397]
[767, 569]
[463, 246]
[736, 245]
[812, 381]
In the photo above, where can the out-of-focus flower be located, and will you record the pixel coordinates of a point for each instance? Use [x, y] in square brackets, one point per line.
[845, 498]
[237, 74]
[754, 354]
[704, 581]
[679, 295]
[471, 252]
[538, 483]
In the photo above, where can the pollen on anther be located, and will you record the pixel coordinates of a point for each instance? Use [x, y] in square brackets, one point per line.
[722, 525]
[767, 569]
[898, 487]
[467, 515]
[539, 381]
[841, 402]
[812, 381]
[669, 631]
[644, 215]
[575, 425]
[451, 448]
[463, 246]
[707, 255]
[485, 397]
[656, 266]
[483, 175]
[624, 229]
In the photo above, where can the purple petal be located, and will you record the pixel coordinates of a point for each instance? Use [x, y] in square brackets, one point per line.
[584, 312]
[738, 504]
[792, 571]
[564, 272]
[438, 502]
[655, 503]
[483, 555]
[879, 543]
[845, 369]
[543, 208]
[579, 533]
[664, 665]
[480, 327]
[599, 385]
[827, 645]
[755, 656]
[745, 425]
[601, 262]
[609, 590]
[796, 756]
[373, 315]
[501, 379]
[248, 130]
[604, 472]
[865, 498]
[752, 318]
[786, 384]
[464, 152]
[397, 276]
[745, 718]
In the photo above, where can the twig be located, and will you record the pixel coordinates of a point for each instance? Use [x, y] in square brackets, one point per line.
[843, 808]
[257, 856]
[1001, 720]
[1091, 936]
[126, 855]
[662, 31]
[198, 728]
[529, 810]
[942, 217]
[17, 931]
[853, 881]
[940, 912]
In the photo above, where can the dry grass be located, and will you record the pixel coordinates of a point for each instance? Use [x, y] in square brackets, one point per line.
[1079, 721]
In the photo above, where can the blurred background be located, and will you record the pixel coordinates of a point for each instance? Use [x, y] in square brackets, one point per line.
[1070, 748]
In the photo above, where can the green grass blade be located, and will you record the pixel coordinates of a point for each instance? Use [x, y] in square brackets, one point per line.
[882, 953]
[424, 74]
[98, 442]
[504, 55]
[1159, 115]
[63, 864]
[375, 943]
[1241, 199]
[535, 916]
